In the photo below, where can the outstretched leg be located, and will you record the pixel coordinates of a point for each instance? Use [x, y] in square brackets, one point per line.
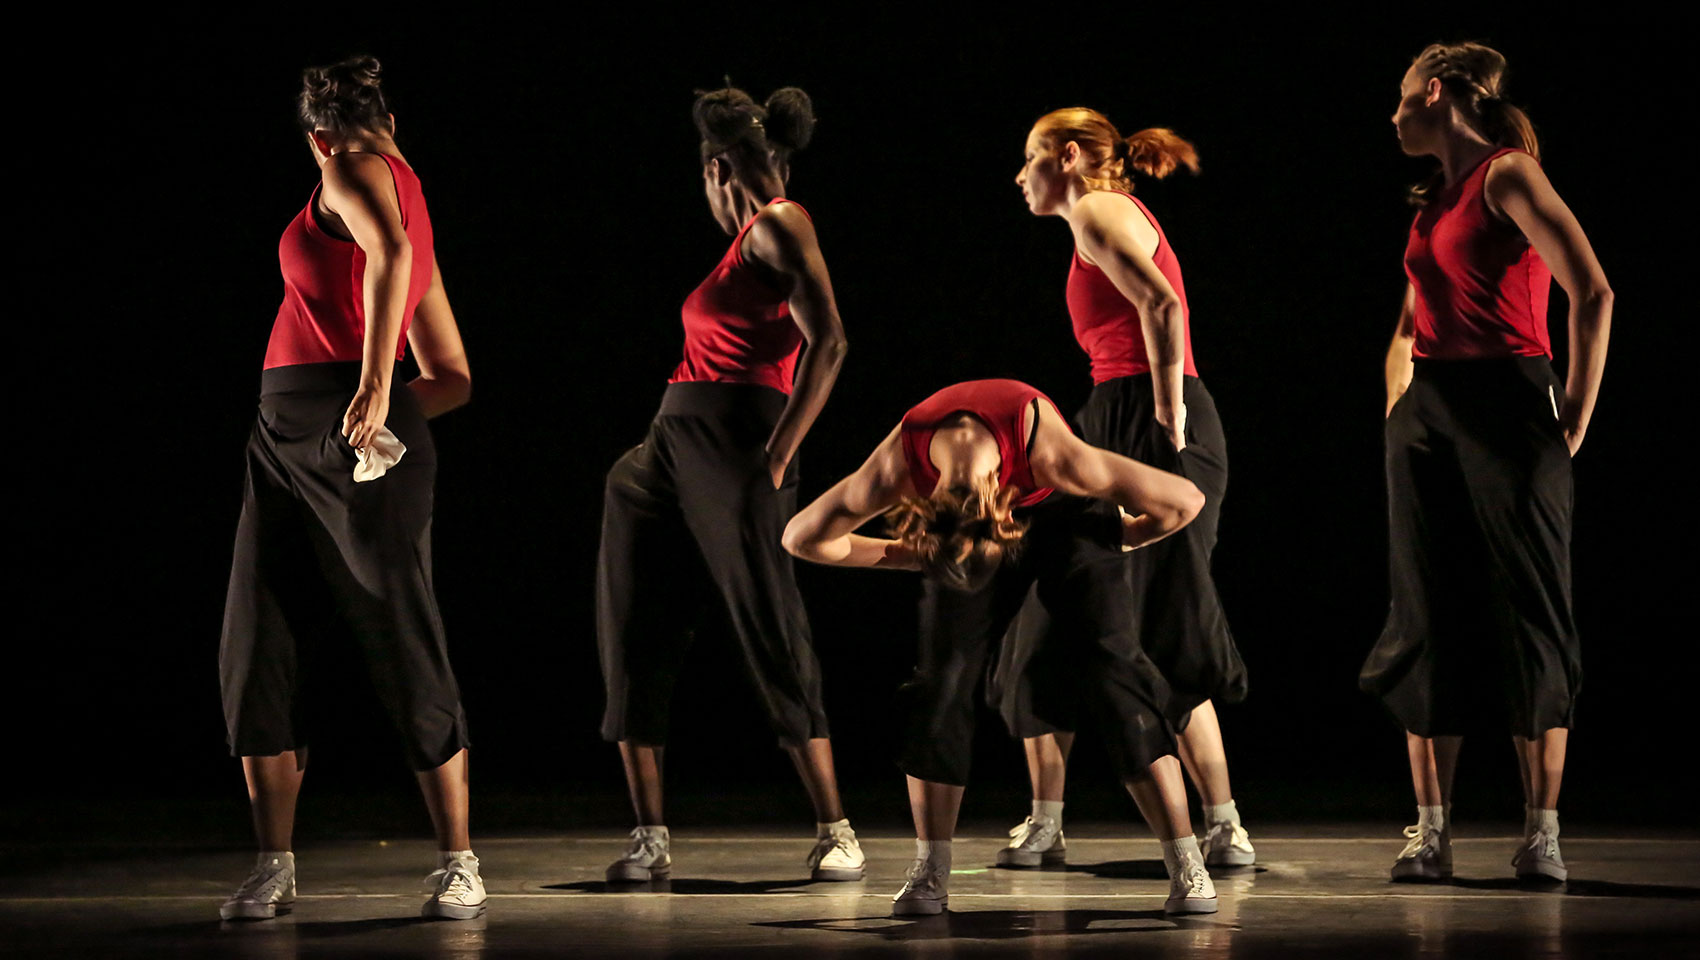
[1161, 795]
[814, 765]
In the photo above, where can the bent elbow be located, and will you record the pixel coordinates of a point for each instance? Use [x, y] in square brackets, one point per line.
[794, 539]
[1189, 507]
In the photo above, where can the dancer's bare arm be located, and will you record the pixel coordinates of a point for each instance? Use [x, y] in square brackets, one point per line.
[1107, 226]
[1156, 502]
[825, 531]
[783, 239]
[360, 189]
[445, 379]
[1519, 189]
[1399, 366]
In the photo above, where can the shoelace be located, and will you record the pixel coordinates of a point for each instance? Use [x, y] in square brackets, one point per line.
[1543, 844]
[643, 846]
[1024, 831]
[1419, 838]
[1237, 835]
[447, 883]
[920, 873]
[261, 884]
[825, 845]
[1196, 880]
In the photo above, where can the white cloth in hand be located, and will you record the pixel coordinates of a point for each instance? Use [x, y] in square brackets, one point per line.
[380, 455]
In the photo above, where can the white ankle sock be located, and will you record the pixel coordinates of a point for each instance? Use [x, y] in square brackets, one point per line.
[656, 831]
[444, 856]
[1543, 821]
[1431, 818]
[1221, 813]
[824, 830]
[285, 858]
[935, 852]
[1048, 808]
[1177, 852]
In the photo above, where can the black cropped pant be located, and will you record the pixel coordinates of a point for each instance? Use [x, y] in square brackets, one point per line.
[1080, 578]
[1480, 636]
[1176, 613]
[321, 559]
[690, 519]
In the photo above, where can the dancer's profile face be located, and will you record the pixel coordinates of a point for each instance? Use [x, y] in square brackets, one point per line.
[1419, 114]
[1042, 178]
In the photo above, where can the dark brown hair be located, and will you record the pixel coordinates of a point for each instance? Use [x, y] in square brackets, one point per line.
[342, 97]
[960, 535]
[754, 138]
[1474, 75]
[1155, 152]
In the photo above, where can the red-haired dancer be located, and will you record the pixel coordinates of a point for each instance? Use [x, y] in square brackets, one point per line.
[965, 478]
[1480, 431]
[1129, 311]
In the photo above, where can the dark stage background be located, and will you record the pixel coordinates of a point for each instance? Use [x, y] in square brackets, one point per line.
[564, 187]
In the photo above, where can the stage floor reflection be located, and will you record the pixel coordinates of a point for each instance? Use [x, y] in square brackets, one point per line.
[1317, 892]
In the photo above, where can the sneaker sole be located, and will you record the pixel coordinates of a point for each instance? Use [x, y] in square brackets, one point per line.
[450, 911]
[1418, 874]
[1023, 858]
[919, 908]
[1233, 858]
[1184, 905]
[624, 873]
[254, 911]
[838, 874]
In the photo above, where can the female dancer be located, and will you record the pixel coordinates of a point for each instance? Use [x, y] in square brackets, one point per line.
[331, 547]
[1480, 432]
[958, 476]
[1130, 315]
[699, 505]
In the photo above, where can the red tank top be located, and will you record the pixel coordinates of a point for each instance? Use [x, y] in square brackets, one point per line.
[323, 316]
[1001, 406]
[737, 328]
[1106, 324]
[1481, 288]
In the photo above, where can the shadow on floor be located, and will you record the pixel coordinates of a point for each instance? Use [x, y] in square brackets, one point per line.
[686, 885]
[311, 929]
[1150, 870]
[1584, 888]
[993, 924]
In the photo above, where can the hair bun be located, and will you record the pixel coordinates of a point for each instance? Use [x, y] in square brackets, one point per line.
[725, 116]
[343, 95]
[790, 118]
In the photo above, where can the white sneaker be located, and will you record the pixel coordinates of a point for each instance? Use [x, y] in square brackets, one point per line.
[457, 891]
[1226, 844]
[924, 893]
[1190, 889]
[1034, 841]
[837, 856]
[1427, 856]
[268, 891]
[1538, 858]
[645, 859]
